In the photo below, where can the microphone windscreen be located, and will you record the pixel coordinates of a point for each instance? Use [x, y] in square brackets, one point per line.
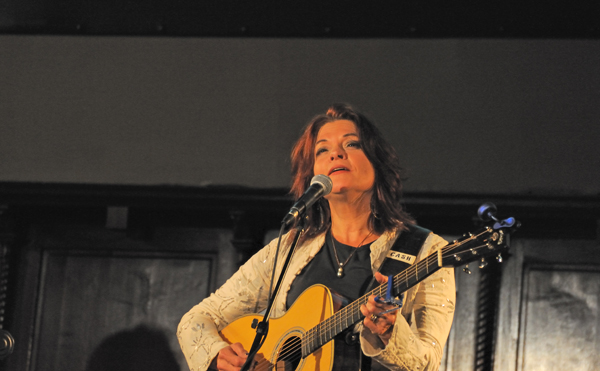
[325, 181]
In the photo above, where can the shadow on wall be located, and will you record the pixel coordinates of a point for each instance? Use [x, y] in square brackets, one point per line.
[142, 348]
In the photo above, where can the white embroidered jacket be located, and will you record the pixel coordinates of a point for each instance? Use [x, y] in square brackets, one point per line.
[418, 336]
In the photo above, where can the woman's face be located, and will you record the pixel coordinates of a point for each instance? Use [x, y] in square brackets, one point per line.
[339, 155]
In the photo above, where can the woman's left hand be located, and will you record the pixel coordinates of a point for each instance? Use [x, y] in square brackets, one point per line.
[383, 324]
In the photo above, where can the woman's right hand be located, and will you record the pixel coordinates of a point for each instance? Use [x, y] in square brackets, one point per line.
[230, 358]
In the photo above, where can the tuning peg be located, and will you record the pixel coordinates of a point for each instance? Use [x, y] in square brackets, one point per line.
[466, 269]
[487, 212]
[499, 258]
[482, 263]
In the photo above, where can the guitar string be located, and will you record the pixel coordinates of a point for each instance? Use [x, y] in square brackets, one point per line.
[291, 351]
[266, 365]
[293, 347]
[342, 315]
[331, 322]
[337, 319]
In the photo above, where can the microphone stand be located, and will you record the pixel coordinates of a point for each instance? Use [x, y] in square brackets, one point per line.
[262, 328]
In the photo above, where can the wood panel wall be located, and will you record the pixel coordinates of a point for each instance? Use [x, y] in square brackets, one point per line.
[548, 312]
[86, 287]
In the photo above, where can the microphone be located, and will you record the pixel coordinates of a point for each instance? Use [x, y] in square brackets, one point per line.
[320, 185]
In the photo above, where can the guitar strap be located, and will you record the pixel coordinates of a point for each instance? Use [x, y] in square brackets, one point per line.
[405, 250]
[401, 255]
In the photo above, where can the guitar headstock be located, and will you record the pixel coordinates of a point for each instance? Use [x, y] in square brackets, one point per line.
[492, 240]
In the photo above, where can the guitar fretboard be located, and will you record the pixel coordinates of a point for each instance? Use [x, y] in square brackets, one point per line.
[319, 335]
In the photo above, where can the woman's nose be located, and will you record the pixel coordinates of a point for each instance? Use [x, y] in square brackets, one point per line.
[338, 153]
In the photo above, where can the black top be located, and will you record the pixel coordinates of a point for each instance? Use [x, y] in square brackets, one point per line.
[323, 269]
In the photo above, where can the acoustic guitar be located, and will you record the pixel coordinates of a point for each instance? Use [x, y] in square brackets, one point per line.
[303, 338]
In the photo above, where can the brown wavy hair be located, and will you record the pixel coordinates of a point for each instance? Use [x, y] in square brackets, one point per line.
[387, 212]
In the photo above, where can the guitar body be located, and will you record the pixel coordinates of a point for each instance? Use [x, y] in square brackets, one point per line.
[282, 346]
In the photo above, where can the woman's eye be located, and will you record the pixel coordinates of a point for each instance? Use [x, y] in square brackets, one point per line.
[320, 150]
[354, 144]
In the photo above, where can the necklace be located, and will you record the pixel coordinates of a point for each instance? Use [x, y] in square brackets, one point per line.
[340, 272]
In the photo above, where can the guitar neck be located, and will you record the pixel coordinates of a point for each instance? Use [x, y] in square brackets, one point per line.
[319, 335]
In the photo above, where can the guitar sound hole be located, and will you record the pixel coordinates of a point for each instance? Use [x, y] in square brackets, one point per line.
[289, 355]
